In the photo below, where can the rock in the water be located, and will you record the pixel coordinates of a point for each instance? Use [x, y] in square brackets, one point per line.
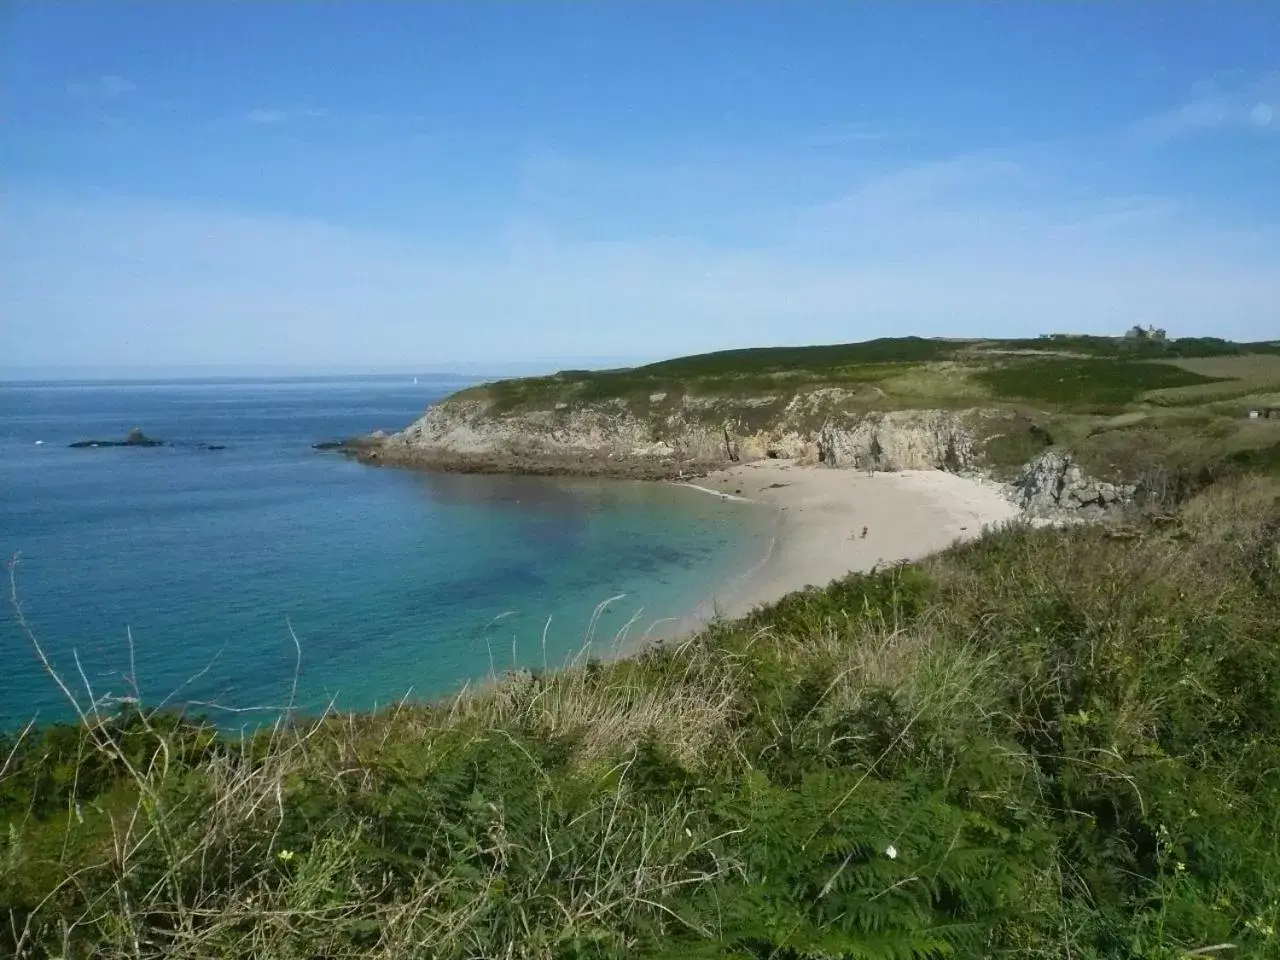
[135, 438]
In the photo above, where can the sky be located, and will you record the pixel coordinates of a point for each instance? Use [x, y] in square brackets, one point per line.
[375, 186]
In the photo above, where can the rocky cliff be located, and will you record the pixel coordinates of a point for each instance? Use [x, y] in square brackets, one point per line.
[1053, 483]
[688, 435]
[666, 437]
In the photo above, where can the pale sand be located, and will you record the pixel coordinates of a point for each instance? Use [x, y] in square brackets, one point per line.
[821, 514]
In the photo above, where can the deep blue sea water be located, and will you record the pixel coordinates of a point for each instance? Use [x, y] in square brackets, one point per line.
[393, 581]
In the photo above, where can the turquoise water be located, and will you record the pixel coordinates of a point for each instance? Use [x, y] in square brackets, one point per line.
[393, 581]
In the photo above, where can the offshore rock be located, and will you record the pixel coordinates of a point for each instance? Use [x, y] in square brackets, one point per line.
[135, 438]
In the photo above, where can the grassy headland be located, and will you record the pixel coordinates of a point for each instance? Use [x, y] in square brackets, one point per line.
[1050, 743]
[1047, 743]
[1089, 372]
[1124, 407]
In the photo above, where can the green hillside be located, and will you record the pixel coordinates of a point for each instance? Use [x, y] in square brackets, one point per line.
[1125, 407]
[995, 369]
[1048, 743]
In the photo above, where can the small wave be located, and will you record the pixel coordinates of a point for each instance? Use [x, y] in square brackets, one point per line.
[716, 493]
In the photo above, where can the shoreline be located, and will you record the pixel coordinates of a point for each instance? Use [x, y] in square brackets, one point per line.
[715, 493]
[829, 522]
[586, 464]
[832, 522]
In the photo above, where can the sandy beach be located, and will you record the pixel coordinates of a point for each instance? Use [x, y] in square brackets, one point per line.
[831, 522]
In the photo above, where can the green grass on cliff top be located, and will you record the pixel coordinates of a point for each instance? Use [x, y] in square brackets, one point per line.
[1047, 744]
[1130, 410]
[1090, 374]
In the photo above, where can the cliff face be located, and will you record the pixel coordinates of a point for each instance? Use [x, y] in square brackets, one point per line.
[670, 437]
[1053, 483]
[686, 436]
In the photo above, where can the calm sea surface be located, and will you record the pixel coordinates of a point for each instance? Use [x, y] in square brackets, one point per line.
[392, 581]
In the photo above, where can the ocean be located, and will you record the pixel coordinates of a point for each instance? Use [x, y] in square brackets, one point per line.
[182, 574]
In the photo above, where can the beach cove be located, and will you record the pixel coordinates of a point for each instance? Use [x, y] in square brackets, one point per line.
[832, 522]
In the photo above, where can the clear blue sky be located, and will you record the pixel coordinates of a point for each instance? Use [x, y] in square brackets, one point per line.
[414, 184]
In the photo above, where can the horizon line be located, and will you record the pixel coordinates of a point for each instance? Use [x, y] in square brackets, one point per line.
[34, 372]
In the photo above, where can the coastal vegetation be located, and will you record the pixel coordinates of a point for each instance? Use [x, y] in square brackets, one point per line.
[1051, 742]
[1127, 408]
[1046, 743]
[1095, 370]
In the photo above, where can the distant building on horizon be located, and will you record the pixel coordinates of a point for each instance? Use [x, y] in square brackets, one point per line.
[1137, 332]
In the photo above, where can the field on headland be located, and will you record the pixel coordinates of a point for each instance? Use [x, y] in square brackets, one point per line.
[1091, 373]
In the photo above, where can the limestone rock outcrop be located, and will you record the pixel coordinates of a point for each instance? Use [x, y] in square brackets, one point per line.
[692, 436]
[1054, 483]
